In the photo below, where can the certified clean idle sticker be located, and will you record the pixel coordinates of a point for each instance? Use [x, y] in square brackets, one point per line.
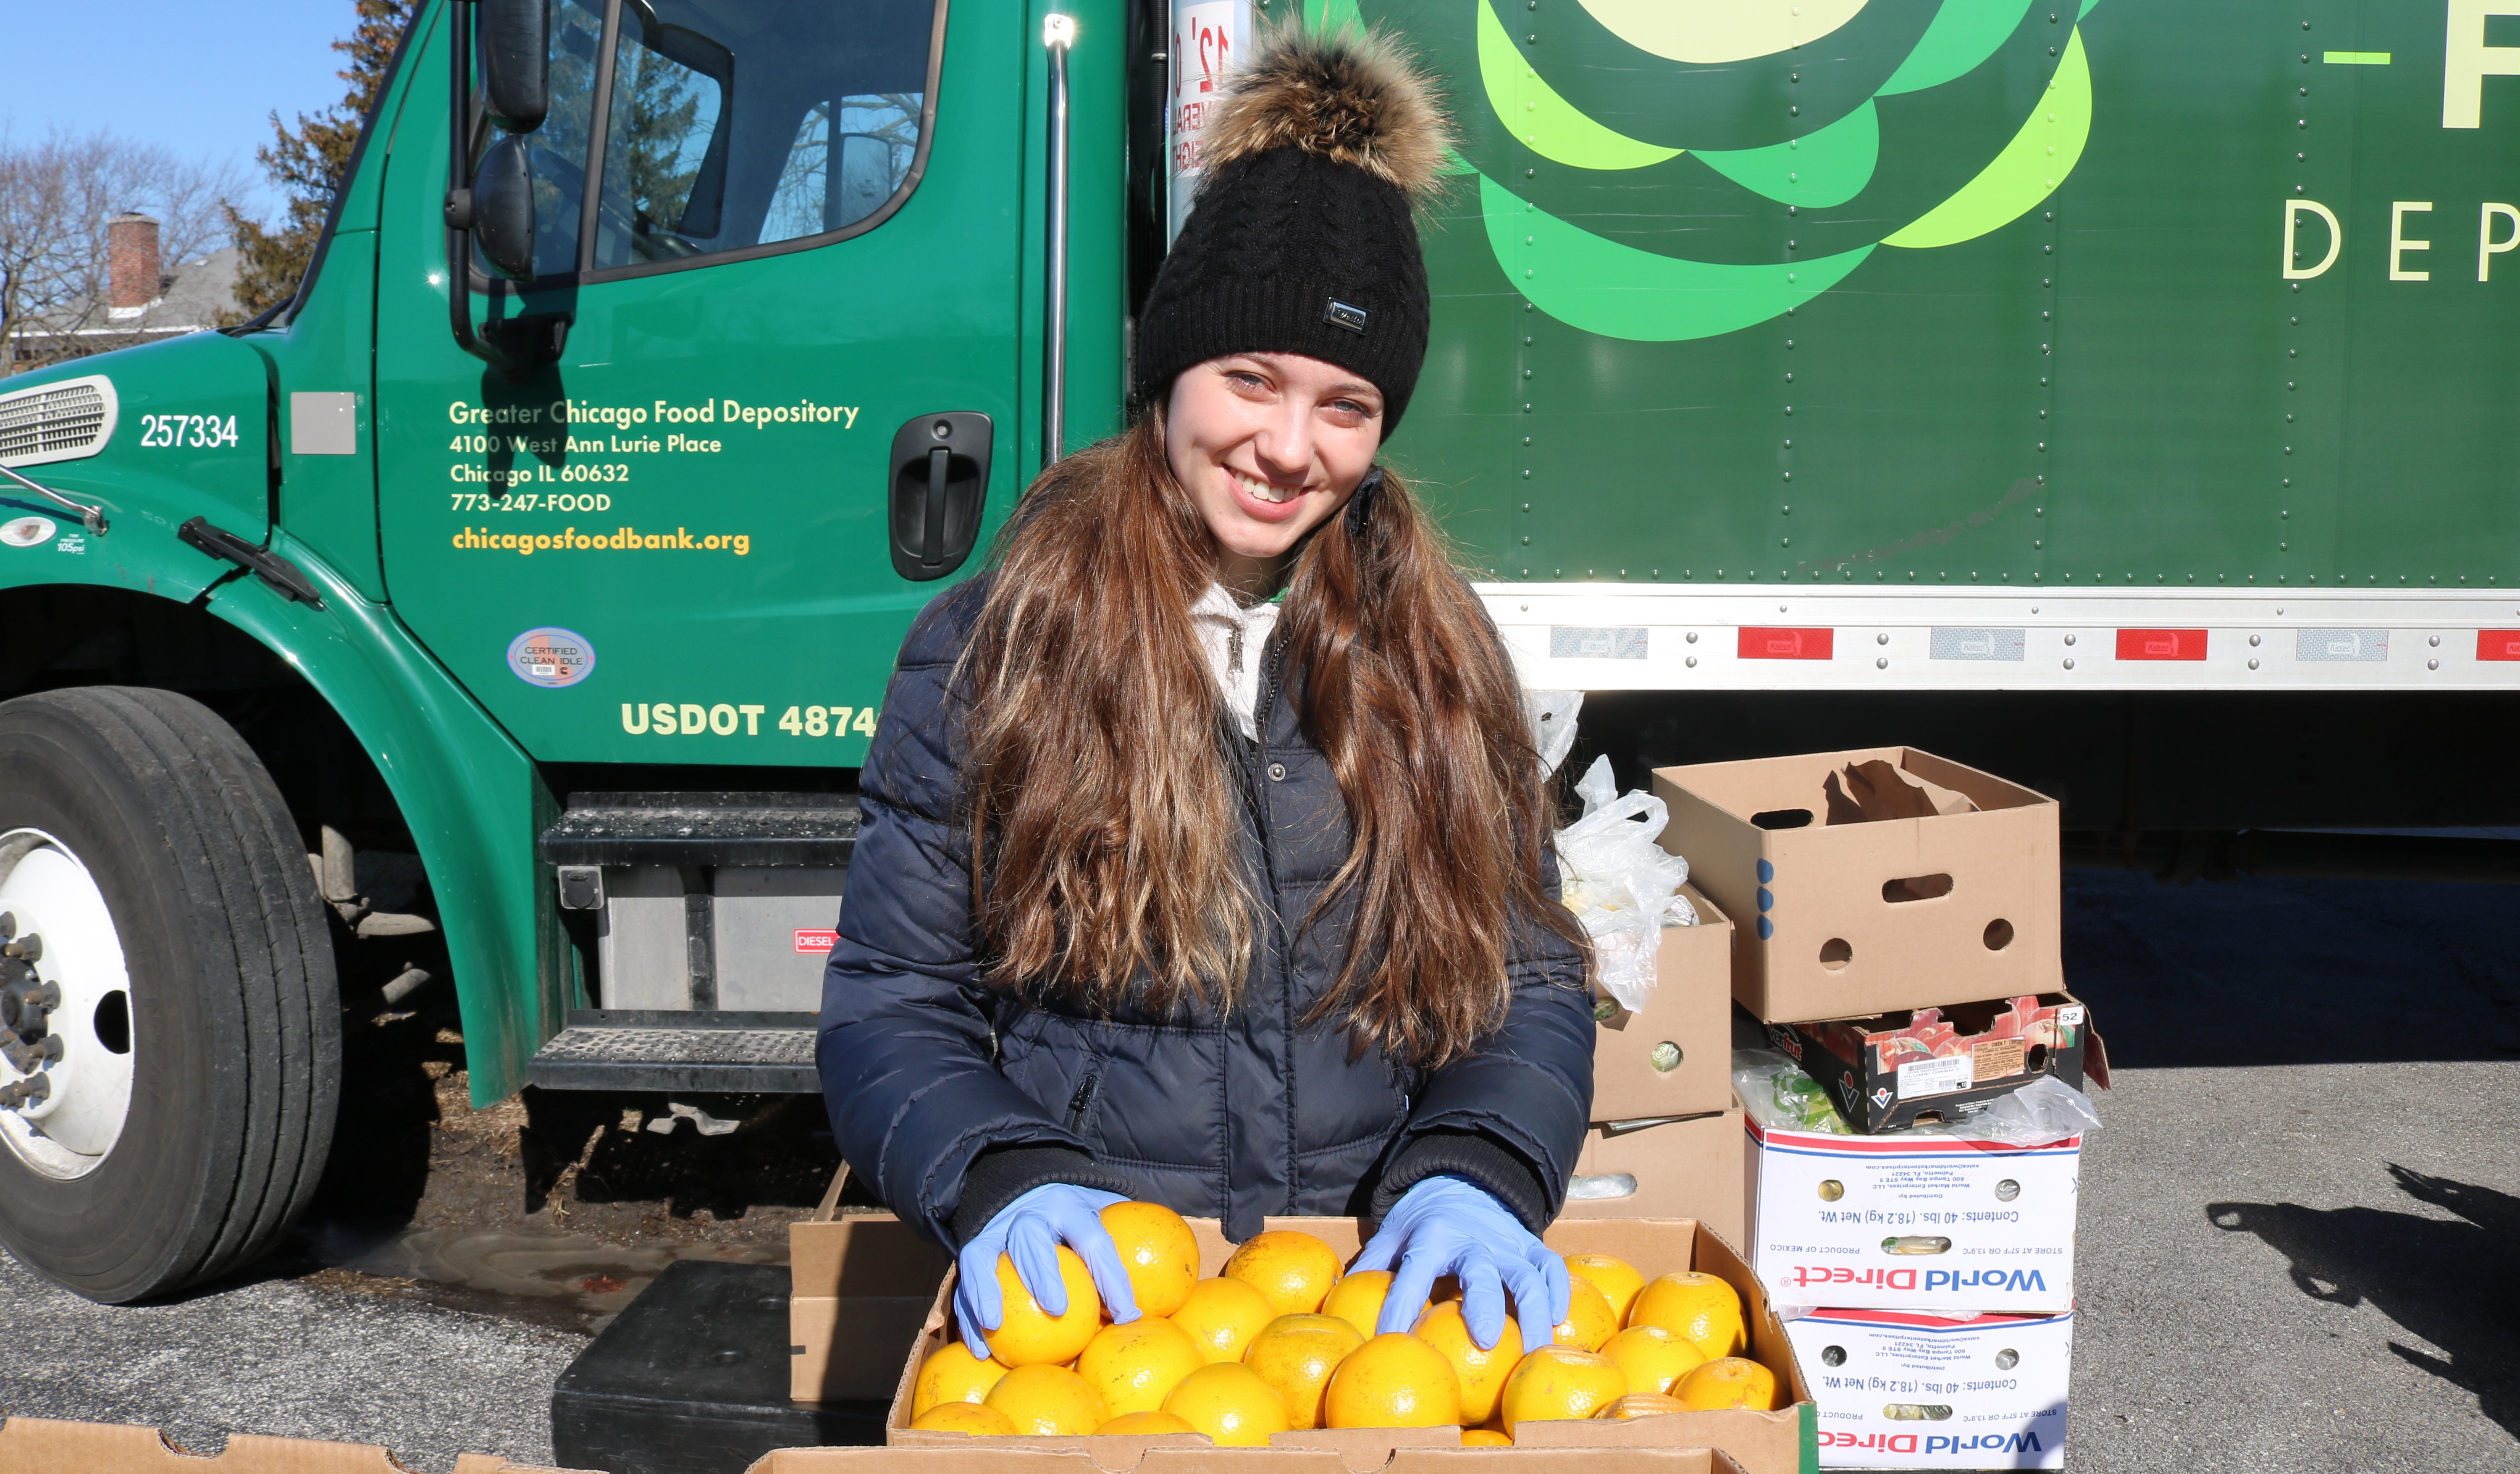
[551, 656]
[26, 531]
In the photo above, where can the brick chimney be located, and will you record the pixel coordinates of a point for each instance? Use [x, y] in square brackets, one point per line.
[131, 262]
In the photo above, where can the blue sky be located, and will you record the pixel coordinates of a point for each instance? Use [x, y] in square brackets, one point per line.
[199, 79]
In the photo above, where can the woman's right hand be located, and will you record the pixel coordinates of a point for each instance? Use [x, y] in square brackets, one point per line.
[1029, 1233]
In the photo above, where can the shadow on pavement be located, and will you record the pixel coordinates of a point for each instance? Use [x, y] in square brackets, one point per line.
[2446, 1280]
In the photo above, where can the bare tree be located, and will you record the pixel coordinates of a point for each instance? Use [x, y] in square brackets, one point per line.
[56, 196]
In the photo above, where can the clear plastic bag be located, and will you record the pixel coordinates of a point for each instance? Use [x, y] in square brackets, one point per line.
[1552, 716]
[2044, 1110]
[1779, 1096]
[1620, 884]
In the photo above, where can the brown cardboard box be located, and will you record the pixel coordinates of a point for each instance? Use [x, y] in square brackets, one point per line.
[42, 1446]
[1839, 919]
[886, 1272]
[1692, 1009]
[1780, 1441]
[1179, 1457]
[1681, 1169]
[39, 1445]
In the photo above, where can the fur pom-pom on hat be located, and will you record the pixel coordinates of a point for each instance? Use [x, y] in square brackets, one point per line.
[1303, 237]
[1352, 97]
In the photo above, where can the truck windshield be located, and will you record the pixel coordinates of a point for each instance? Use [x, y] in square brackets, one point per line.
[739, 123]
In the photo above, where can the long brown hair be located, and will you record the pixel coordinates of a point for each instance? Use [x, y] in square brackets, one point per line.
[1102, 808]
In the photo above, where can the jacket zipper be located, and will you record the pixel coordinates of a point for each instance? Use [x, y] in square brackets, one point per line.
[1262, 710]
[1083, 1097]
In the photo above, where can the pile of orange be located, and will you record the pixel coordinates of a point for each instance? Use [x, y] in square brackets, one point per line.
[1283, 1340]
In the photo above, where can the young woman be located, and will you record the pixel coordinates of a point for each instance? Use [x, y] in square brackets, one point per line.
[1205, 854]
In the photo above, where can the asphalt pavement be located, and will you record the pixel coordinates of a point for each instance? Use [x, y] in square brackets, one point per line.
[2297, 1227]
[2298, 1224]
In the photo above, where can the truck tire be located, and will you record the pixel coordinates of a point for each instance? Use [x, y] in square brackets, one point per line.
[187, 1114]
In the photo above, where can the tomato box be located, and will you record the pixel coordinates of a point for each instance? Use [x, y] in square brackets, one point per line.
[1778, 1441]
[1890, 1070]
[1899, 1390]
[1870, 880]
[1919, 1221]
[1675, 1058]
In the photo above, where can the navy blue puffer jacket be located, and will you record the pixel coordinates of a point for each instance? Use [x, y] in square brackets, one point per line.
[953, 1097]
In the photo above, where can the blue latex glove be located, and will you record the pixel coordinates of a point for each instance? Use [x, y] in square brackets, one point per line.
[1029, 1231]
[1450, 1225]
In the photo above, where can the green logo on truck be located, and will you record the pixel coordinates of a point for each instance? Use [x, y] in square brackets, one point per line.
[1873, 123]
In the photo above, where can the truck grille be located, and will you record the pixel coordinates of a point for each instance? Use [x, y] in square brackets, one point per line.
[59, 422]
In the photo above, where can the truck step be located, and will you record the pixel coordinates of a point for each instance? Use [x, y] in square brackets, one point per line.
[692, 1379]
[735, 830]
[668, 1050]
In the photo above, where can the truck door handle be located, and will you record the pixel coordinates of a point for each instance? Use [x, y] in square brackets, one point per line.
[939, 482]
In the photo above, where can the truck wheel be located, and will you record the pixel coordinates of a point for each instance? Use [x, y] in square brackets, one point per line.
[175, 1048]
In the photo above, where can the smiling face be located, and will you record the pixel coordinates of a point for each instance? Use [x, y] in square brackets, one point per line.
[1270, 445]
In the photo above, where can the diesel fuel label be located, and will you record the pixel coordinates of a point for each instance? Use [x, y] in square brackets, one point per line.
[581, 442]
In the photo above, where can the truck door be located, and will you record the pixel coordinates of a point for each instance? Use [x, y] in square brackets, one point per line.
[783, 235]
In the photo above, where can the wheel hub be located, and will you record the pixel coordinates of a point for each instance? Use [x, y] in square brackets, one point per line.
[65, 1025]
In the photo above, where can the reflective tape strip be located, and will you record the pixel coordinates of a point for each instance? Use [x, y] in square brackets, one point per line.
[2161, 644]
[1767, 643]
[1978, 645]
[1581, 641]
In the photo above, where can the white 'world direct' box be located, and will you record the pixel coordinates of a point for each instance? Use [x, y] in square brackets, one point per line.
[1913, 1222]
[1899, 1390]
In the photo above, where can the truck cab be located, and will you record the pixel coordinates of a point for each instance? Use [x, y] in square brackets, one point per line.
[569, 563]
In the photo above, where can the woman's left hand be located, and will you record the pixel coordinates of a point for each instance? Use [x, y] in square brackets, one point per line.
[1451, 1225]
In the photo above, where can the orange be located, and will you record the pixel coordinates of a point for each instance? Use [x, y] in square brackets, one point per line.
[1134, 1366]
[1613, 1276]
[1032, 1336]
[1698, 1307]
[1641, 1405]
[953, 1376]
[1728, 1382]
[965, 1417]
[1482, 1374]
[1484, 1438]
[1157, 1250]
[1049, 1400]
[1653, 1357]
[1231, 1404]
[1222, 1316]
[1590, 1321]
[1295, 1271]
[1559, 1381]
[1295, 1355]
[1393, 1381]
[1144, 1424]
[1357, 1299]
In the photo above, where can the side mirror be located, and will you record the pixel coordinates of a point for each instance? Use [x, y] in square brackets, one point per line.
[503, 208]
[516, 63]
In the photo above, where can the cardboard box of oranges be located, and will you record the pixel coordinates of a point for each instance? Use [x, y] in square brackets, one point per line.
[1671, 1346]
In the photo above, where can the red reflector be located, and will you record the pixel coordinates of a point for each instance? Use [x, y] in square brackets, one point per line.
[2161, 644]
[816, 943]
[1785, 645]
[2498, 644]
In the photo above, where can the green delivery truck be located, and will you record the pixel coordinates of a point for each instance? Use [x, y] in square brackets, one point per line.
[2118, 392]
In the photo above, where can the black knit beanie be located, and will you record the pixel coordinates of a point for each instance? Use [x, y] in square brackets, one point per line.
[1302, 239]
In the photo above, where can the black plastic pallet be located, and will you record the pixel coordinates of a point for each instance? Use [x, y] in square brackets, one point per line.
[692, 1379]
